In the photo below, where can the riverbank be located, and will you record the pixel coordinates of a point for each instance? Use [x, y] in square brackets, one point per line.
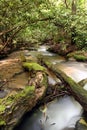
[69, 52]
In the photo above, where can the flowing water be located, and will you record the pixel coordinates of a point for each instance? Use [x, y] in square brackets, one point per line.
[76, 70]
[62, 113]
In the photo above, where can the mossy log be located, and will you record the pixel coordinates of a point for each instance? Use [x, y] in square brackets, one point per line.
[17, 103]
[74, 88]
[14, 105]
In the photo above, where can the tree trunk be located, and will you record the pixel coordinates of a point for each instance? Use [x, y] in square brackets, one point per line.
[65, 1]
[73, 30]
[73, 7]
[74, 88]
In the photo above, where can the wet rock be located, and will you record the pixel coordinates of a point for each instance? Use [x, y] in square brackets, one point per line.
[20, 97]
[81, 125]
[78, 55]
[16, 103]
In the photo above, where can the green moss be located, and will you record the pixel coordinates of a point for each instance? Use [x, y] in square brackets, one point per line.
[9, 100]
[33, 66]
[12, 99]
[45, 80]
[28, 91]
[75, 53]
[2, 122]
[8, 104]
[70, 55]
[47, 63]
[80, 57]
[2, 108]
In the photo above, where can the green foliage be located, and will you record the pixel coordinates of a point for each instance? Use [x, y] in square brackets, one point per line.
[42, 20]
[2, 108]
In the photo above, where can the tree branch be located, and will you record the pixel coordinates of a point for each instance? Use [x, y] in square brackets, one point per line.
[10, 39]
[65, 1]
[7, 31]
[20, 28]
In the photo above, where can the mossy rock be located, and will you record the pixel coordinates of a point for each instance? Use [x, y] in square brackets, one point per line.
[80, 57]
[9, 103]
[75, 53]
[81, 125]
[33, 66]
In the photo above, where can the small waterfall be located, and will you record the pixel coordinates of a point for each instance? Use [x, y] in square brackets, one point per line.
[62, 113]
[77, 71]
[43, 50]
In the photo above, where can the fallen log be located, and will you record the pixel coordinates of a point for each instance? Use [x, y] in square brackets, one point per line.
[18, 100]
[74, 88]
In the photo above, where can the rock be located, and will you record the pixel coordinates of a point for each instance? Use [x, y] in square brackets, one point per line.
[81, 125]
[3, 93]
[13, 104]
[78, 55]
[16, 104]
[21, 96]
[62, 49]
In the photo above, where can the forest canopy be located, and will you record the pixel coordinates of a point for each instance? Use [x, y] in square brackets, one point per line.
[37, 21]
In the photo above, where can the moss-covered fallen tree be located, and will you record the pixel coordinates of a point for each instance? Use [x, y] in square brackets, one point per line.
[74, 88]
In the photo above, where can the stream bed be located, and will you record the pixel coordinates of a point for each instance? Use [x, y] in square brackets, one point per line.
[61, 113]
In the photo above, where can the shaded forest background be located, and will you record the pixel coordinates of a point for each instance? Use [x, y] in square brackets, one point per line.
[61, 23]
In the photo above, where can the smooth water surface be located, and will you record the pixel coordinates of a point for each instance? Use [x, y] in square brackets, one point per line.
[76, 70]
[60, 114]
